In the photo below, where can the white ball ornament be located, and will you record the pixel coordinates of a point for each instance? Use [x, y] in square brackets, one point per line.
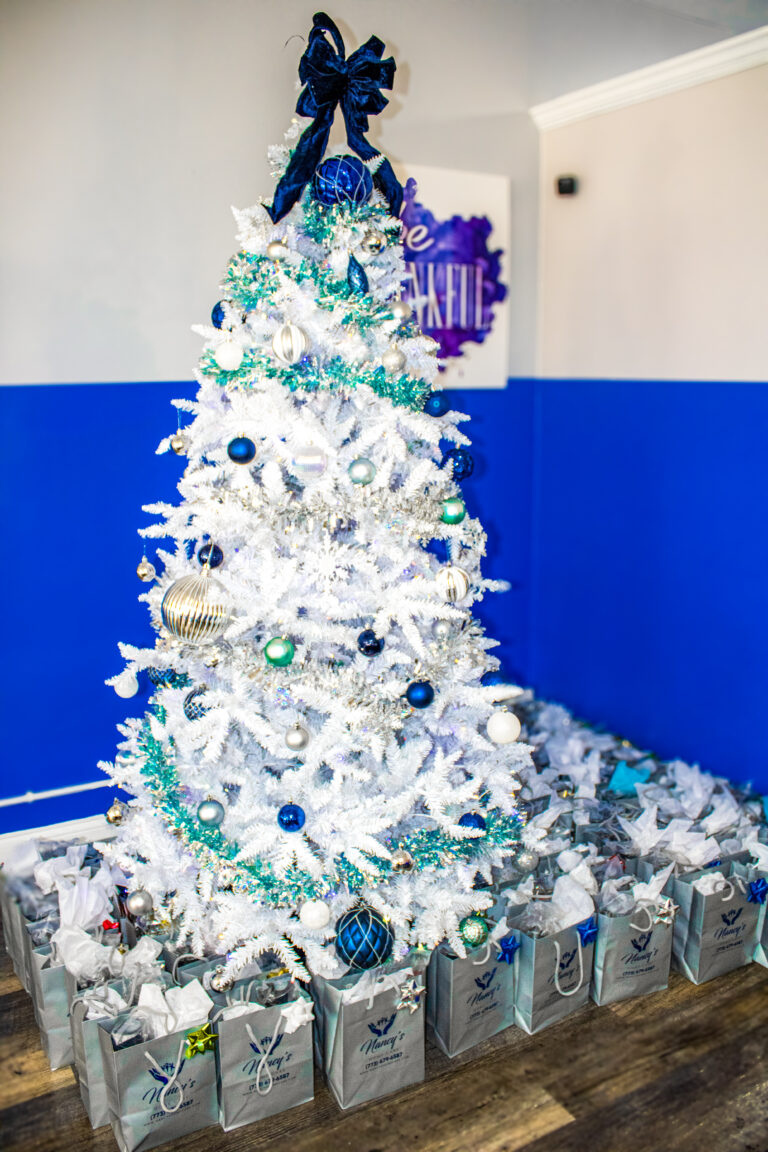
[126, 684]
[276, 250]
[297, 738]
[289, 344]
[309, 461]
[228, 355]
[393, 360]
[503, 727]
[452, 583]
[314, 914]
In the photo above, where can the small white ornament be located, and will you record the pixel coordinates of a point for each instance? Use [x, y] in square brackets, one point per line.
[228, 355]
[314, 914]
[393, 360]
[126, 684]
[503, 727]
[297, 738]
[361, 471]
[452, 583]
[289, 344]
[309, 461]
[401, 310]
[276, 250]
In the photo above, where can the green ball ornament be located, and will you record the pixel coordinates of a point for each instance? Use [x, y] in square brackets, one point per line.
[473, 931]
[453, 511]
[279, 652]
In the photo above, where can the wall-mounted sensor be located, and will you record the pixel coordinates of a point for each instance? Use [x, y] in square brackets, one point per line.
[567, 185]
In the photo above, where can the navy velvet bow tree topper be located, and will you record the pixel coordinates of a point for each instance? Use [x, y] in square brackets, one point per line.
[331, 79]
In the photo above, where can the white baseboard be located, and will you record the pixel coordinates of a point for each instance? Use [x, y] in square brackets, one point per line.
[87, 828]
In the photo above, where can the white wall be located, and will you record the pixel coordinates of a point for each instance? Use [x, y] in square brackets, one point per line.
[657, 268]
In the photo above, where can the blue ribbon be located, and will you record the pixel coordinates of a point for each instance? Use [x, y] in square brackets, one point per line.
[331, 79]
[587, 930]
[758, 890]
[508, 946]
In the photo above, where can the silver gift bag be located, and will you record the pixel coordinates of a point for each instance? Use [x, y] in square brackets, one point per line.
[632, 956]
[264, 1061]
[473, 998]
[155, 1091]
[756, 882]
[553, 976]
[716, 932]
[49, 993]
[371, 1031]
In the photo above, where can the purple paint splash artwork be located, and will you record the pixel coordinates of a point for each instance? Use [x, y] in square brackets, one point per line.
[453, 279]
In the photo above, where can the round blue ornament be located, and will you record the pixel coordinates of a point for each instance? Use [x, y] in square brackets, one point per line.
[420, 694]
[241, 450]
[472, 820]
[217, 314]
[211, 555]
[342, 180]
[291, 818]
[369, 643]
[194, 708]
[436, 404]
[363, 938]
[463, 464]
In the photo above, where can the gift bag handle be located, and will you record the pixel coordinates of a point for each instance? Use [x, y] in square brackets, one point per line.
[485, 956]
[171, 1081]
[646, 927]
[573, 991]
[178, 960]
[262, 1066]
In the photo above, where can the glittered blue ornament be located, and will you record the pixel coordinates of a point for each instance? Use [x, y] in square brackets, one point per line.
[436, 404]
[472, 820]
[241, 450]
[168, 678]
[194, 709]
[342, 180]
[291, 818]
[211, 555]
[420, 694]
[363, 939]
[463, 464]
[217, 314]
[369, 643]
[356, 277]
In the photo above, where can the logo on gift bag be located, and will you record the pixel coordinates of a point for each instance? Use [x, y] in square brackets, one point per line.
[266, 1044]
[381, 1027]
[731, 917]
[167, 1071]
[731, 927]
[567, 960]
[640, 944]
[152, 1095]
[484, 980]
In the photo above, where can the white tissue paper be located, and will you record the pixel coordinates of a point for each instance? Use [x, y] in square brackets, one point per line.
[83, 904]
[50, 873]
[82, 956]
[710, 883]
[174, 1010]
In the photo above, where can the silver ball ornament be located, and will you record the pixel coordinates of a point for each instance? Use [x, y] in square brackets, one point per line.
[402, 861]
[503, 727]
[452, 583]
[314, 914]
[373, 242]
[178, 443]
[526, 861]
[401, 310]
[442, 630]
[393, 360]
[211, 813]
[276, 250]
[361, 471]
[219, 982]
[289, 344]
[297, 738]
[145, 570]
[139, 903]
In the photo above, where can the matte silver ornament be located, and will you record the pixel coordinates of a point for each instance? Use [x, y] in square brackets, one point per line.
[393, 360]
[526, 861]
[297, 738]
[178, 443]
[276, 250]
[452, 583]
[373, 242]
[289, 344]
[402, 861]
[145, 570]
[401, 310]
[195, 608]
[139, 903]
[361, 471]
[211, 813]
[309, 461]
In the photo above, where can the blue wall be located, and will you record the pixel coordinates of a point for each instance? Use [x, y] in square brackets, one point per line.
[630, 518]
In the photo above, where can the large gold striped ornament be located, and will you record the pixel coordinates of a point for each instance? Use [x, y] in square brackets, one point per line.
[452, 583]
[195, 608]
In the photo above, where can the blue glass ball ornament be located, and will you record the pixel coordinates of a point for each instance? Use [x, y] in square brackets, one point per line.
[291, 818]
[194, 709]
[420, 694]
[241, 450]
[211, 555]
[463, 464]
[436, 404]
[472, 820]
[356, 277]
[168, 678]
[342, 180]
[363, 938]
[369, 643]
[217, 314]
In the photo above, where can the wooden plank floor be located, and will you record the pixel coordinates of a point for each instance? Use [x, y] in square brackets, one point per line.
[681, 1071]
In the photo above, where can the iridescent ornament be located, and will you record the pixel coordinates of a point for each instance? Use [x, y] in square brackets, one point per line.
[139, 903]
[194, 708]
[145, 570]
[289, 344]
[473, 931]
[453, 511]
[472, 820]
[393, 360]
[277, 250]
[211, 813]
[309, 461]
[420, 694]
[178, 443]
[461, 461]
[373, 242]
[368, 643]
[228, 355]
[195, 609]
[401, 310]
[241, 450]
[314, 914]
[279, 652]
[297, 738]
[126, 685]
[211, 555]
[116, 812]
[356, 277]
[402, 861]
[342, 180]
[362, 471]
[291, 818]
[363, 938]
[452, 583]
[436, 404]
[503, 727]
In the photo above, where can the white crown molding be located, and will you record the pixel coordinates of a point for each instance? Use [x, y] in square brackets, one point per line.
[725, 58]
[87, 828]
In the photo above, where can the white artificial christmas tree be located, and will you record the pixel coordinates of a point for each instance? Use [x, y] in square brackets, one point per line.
[319, 742]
